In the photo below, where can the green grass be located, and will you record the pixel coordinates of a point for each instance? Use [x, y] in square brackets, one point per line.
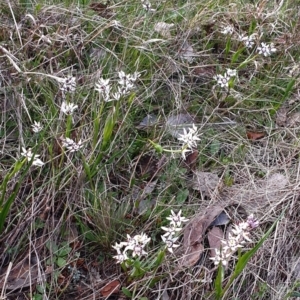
[69, 213]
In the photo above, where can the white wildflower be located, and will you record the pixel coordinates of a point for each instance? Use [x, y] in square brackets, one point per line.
[189, 138]
[242, 231]
[103, 88]
[147, 5]
[36, 127]
[176, 220]
[266, 49]
[222, 81]
[119, 246]
[220, 257]
[68, 84]
[231, 72]
[117, 96]
[170, 242]
[68, 108]
[232, 243]
[28, 154]
[252, 222]
[184, 151]
[227, 30]
[170, 231]
[141, 239]
[248, 40]
[126, 81]
[137, 244]
[138, 250]
[71, 145]
[236, 240]
[120, 257]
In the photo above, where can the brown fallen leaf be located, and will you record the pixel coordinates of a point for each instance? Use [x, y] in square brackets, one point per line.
[251, 135]
[293, 120]
[205, 182]
[21, 275]
[191, 160]
[215, 235]
[194, 234]
[281, 116]
[205, 225]
[177, 122]
[192, 257]
[112, 287]
[102, 10]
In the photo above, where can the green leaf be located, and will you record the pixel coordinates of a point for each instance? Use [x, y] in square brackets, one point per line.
[215, 147]
[288, 90]
[218, 282]
[157, 147]
[182, 196]
[126, 292]
[64, 251]
[160, 257]
[4, 210]
[61, 262]
[228, 46]
[236, 55]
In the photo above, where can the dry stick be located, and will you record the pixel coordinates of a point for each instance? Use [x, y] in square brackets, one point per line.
[12, 13]
[2, 297]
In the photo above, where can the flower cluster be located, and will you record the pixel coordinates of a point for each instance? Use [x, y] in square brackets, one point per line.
[126, 84]
[28, 154]
[189, 139]
[103, 88]
[169, 238]
[248, 40]
[68, 85]
[223, 80]
[236, 239]
[147, 5]
[71, 145]
[227, 30]
[68, 108]
[135, 245]
[36, 127]
[266, 49]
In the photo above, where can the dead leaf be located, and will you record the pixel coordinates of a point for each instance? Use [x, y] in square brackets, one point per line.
[222, 219]
[165, 295]
[194, 234]
[251, 135]
[187, 52]
[22, 275]
[205, 182]
[102, 10]
[148, 121]
[176, 123]
[276, 181]
[112, 287]
[281, 116]
[146, 167]
[163, 29]
[192, 256]
[293, 120]
[203, 74]
[204, 225]
[215, 235]
[191, 160]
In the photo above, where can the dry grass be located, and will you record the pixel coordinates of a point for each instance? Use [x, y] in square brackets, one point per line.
[67, 215]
